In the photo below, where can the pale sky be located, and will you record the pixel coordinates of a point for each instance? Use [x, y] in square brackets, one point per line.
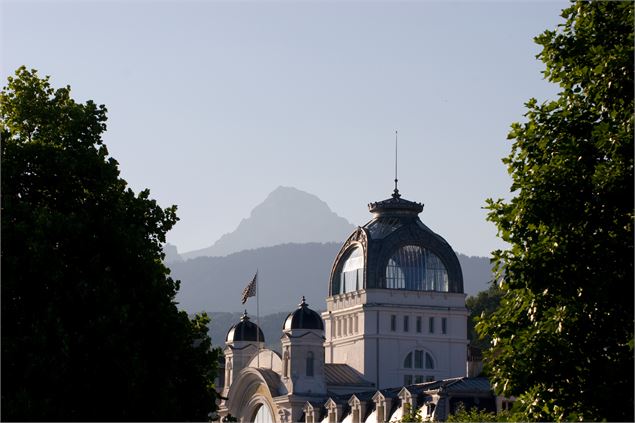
[212, 105]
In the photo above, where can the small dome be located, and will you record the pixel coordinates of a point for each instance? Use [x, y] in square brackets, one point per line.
[245, 330]
[303, 318]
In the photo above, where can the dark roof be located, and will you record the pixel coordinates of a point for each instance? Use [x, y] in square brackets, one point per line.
[245, 330]
[343, 374]
[303, 318]
[395, 205]
[395, 224]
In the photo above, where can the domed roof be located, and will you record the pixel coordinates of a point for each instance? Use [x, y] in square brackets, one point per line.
[245, 330]
[303, 318]
[395, 250]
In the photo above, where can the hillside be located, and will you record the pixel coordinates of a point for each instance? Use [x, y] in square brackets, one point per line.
[286, 273]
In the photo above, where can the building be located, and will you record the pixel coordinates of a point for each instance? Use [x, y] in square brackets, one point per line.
[393, 336]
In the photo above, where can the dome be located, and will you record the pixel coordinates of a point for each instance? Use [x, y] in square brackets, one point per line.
[395, 250]
[303, 318]
[245, 330]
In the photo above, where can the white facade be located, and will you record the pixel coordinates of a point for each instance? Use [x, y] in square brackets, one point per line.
[374, 330]
[395, 316]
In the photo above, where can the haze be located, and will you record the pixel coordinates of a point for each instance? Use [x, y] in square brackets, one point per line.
[212, 105]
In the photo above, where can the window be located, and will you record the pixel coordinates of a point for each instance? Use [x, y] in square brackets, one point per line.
[418, 359]
[285, 362]
[418, 324]
[350, 277]
[393, 323]
[422, 360]
[407, 379]
[429, 362]
[407, 363]
[405, 324]
[415, 268]
[418, 378]
[431, 325]
[429, 378]
[309, 363]
[444, 325]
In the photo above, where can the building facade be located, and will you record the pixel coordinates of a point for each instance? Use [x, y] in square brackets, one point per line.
[394, 334]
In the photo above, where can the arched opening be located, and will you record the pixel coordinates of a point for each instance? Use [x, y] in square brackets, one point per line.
[350, 276]
[415, 268]
[263, 415]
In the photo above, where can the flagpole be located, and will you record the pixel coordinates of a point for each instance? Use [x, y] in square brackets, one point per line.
[258, 315]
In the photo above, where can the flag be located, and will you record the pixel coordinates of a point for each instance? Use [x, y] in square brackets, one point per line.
[250, 289]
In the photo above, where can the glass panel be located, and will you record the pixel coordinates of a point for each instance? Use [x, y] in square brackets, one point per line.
[408, 361]
[405, 324]
[429, 362]
[351, 275]
[407, 380]
[415, 268]
[393, 323]
[419, 379]
[382, 227]
[418, 359]
[431, 325]
[444, 325]
[419, 324]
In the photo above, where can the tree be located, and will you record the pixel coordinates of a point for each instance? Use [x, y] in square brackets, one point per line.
[563, 335]
[481, 306]
[90, 329]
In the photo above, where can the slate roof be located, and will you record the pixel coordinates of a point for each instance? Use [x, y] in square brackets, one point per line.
[344, 375]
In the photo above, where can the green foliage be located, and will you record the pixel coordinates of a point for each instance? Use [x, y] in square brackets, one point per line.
[476, 415]
[411, 415]
[90, 330]
[481, 307]
[563, 334]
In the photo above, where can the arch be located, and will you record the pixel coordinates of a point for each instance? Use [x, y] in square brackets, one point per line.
[263, 414]
[349, 276]
[416, 268]
[252, 389]
[419, 359]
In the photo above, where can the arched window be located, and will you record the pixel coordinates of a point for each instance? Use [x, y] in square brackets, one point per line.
[422, 360]
[309, 363]
[416, 268]
[285, 363]
[350, 276]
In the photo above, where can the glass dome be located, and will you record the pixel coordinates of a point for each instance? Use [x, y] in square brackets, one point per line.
[415, 268]
[350, 276]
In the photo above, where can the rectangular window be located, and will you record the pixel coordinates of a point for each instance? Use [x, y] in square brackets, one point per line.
[431, 325]
[393, 323]
[407, 380]
[429, 378]
[406, 326]
[418, 324]
[444, 325]
[419, 379]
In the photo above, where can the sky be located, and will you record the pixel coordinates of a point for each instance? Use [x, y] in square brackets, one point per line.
[214, 104]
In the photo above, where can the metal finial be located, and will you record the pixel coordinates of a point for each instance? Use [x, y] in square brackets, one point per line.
[395, 193]
[244, 316]
[303, 302]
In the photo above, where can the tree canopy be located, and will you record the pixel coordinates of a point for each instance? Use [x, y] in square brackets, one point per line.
[90, 328]
[563, 335]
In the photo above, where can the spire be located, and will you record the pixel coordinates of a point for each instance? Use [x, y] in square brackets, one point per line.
[244, 316]
[395, 193]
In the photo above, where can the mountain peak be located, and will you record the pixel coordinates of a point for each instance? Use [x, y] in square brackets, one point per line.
[287, 215]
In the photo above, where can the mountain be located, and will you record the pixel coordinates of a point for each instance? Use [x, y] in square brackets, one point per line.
[287, 215]
[286, 272]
